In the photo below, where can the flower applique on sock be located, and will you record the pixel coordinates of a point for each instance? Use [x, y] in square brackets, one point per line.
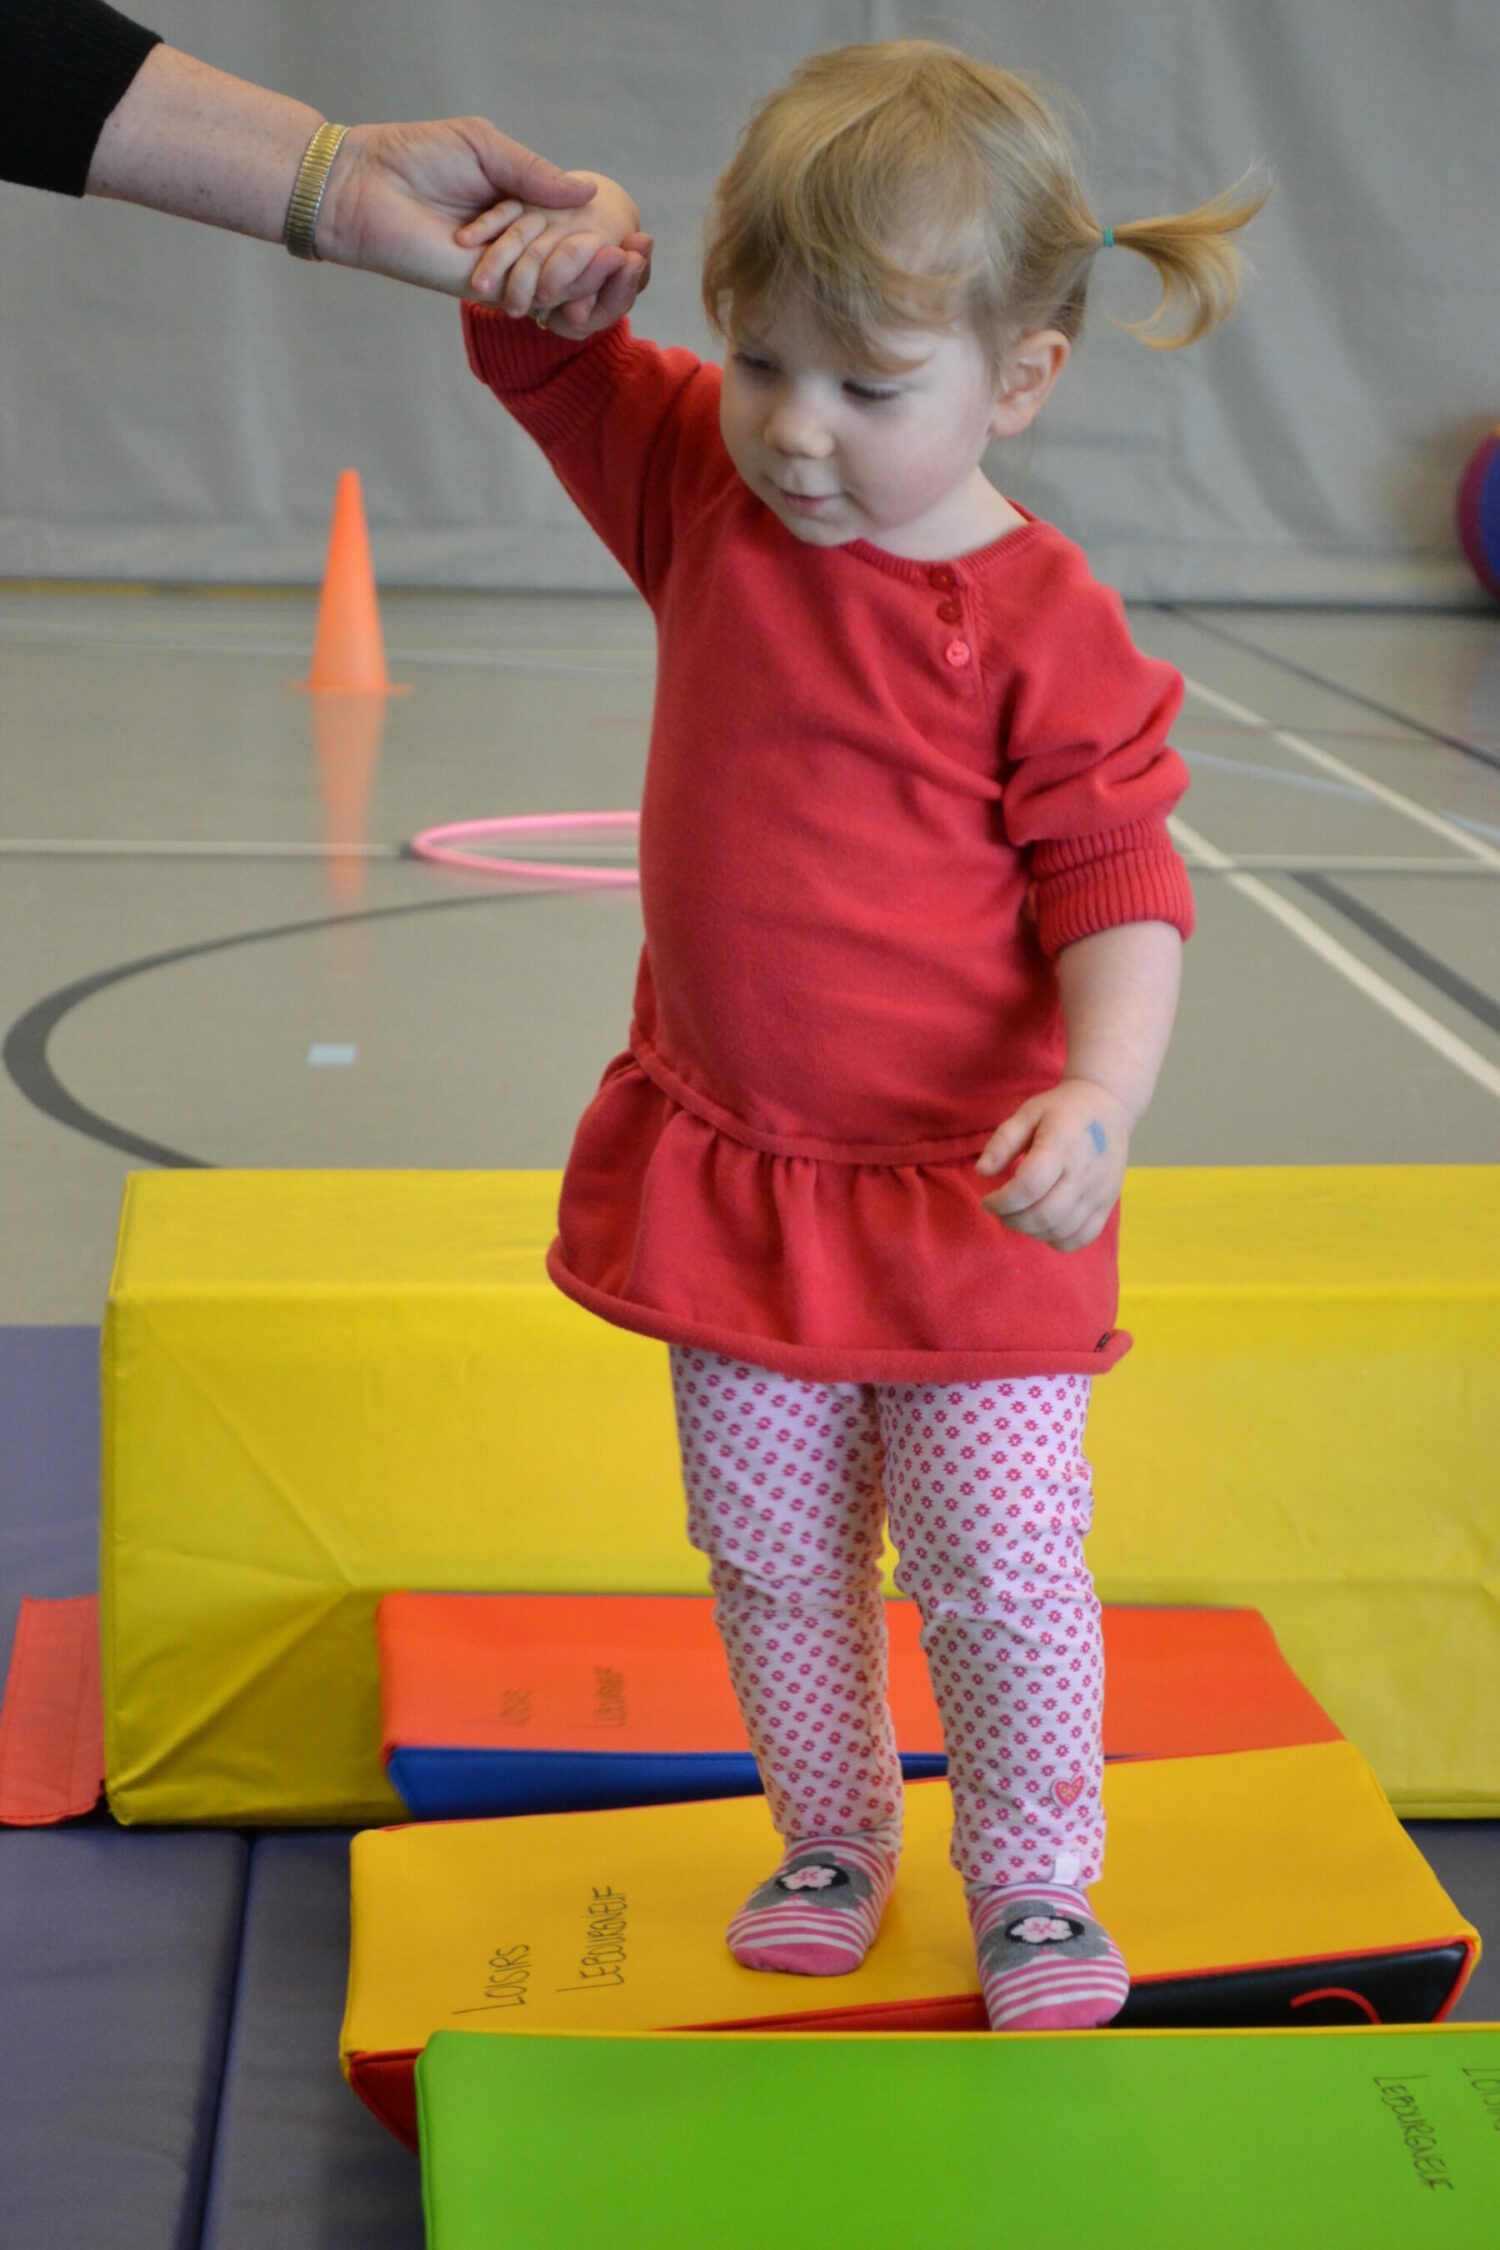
[818, 1915]
[1045, 1962]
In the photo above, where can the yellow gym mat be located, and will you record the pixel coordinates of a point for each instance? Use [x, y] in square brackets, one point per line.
[322, 1387]
[1269, 1886]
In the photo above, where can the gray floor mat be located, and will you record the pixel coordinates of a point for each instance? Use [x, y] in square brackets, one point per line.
[117, 1967]
[299, 2163]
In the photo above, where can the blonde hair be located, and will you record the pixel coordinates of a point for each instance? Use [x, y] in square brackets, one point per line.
[905, 184]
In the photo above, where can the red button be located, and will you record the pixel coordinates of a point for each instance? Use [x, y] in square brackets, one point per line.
[958, 653]
[941, 577]
[950, 612]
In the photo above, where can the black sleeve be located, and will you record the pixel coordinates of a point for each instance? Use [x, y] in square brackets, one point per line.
[63, 66]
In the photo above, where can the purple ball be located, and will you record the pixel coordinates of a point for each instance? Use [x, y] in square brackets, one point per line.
[1479, 512]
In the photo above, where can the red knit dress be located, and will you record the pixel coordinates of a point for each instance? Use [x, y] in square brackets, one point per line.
[881, 795]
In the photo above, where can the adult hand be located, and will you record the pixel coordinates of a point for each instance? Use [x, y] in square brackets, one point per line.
[1075, 1137]
[397, 196]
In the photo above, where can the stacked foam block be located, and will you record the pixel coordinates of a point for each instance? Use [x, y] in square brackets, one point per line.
[322, 1389]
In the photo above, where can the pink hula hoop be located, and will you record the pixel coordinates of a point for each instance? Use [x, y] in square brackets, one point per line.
[439, 846]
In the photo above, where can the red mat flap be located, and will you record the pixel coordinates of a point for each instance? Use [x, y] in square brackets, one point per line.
[645, 1672]
[52, 1720]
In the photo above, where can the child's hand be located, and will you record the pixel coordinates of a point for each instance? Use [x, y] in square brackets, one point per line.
[593, 261]
[1075, 1136]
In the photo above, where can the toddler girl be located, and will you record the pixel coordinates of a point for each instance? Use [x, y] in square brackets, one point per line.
[913, 923]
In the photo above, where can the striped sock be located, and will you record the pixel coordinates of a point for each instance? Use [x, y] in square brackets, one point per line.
[1044, 1962]
[818, 1914]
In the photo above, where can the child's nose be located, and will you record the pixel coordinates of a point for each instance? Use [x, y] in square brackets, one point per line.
[794, 426]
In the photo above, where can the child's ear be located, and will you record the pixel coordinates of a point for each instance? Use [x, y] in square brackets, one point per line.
[1027, 374]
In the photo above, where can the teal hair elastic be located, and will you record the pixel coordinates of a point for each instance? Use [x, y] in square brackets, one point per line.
[1107, 241]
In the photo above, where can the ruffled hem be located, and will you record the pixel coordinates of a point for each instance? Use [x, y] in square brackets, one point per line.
[823, 1269]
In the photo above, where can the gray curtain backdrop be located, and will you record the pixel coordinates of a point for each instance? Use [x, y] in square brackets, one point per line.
[175, 403]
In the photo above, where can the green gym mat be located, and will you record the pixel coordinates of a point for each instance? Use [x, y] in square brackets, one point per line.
[1147, 2140]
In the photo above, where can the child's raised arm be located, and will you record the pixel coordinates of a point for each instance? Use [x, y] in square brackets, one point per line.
[588, 265]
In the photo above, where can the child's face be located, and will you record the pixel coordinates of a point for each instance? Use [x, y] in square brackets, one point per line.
[839, 451]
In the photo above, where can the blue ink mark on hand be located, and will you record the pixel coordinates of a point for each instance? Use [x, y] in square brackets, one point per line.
[1096, 1135]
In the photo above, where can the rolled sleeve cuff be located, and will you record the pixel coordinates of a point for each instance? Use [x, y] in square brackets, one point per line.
[555, 384]
[1090, 883]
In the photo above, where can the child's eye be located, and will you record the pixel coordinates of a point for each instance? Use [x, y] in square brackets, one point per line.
[870, 393]
[753, 364]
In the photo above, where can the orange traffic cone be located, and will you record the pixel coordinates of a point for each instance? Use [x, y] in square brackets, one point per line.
[348, 647]
[349, 683]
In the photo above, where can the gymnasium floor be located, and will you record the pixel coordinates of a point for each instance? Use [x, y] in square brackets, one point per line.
[213, 950]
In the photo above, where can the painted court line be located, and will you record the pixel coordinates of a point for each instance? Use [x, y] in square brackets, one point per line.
[607, 848]
[1266, 863]
[1476, 827]
[1436, 823]
[1340, 863]
[1392, 939]
[112, 847]
[1341, 688]
[1375, 987]
[582, 663]
[1254, 772]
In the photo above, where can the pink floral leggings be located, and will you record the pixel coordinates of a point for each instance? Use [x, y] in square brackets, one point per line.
[988, 1495]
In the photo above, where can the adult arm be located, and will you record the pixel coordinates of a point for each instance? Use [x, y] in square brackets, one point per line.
[192, 140]
[64, 64]
[96, 105]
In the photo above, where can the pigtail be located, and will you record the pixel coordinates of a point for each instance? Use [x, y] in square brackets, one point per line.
[902, 182]
[1200, 266]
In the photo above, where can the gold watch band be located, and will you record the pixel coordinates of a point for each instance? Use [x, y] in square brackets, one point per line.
[307, 190]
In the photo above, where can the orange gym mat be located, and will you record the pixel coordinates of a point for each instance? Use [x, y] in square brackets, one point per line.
[506, 1703]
